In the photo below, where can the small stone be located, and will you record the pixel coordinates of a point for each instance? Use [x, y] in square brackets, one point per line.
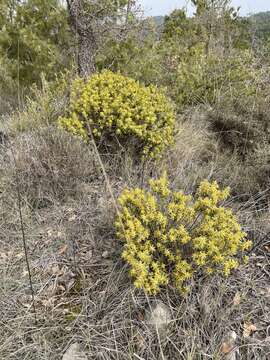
[74, 353]
[159, 317]
[105, 254]
[228, 348]
[89, 254]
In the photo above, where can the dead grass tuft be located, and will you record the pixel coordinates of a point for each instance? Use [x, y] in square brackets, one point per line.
[52, 165]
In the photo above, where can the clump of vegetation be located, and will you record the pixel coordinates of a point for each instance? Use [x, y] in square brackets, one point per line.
[241, 123]
[202, 78]
[42, 107]
[118, 110]
[170, 236]
[31, 47]
[53, 166]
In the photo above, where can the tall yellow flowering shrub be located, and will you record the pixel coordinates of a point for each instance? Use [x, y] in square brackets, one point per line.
[121, 111]
[169, 236]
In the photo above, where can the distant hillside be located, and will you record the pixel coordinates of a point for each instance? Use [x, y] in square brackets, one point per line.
[159, 20]
[260, 21]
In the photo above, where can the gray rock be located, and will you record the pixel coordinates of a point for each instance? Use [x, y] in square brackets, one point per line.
[159, 317]
[229, 348]
[74, 353]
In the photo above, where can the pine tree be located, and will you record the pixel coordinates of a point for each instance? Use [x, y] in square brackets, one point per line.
[92, 21]
[34, 38]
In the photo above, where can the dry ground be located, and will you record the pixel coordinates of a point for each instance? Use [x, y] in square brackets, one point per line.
[82, 292]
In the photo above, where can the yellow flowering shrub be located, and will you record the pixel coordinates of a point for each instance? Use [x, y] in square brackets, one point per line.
[169, 236]
[121, 111]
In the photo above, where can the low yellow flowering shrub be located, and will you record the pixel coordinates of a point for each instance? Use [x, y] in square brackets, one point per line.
[121, 111]
[169, 236]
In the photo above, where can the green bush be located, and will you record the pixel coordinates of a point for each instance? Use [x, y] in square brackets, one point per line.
[119, 111]
[136, 55]
[169, 236]
[204, 78]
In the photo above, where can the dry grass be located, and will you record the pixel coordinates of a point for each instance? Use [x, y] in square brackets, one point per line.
[91, 301]
[82, 290]
[39, 106]
[53, 166]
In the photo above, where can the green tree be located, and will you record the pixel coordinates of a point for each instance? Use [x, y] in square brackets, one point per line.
[34, 38]
[135, 55]
[221, 25]
[176, 24]
[93, 23]
[207, 55]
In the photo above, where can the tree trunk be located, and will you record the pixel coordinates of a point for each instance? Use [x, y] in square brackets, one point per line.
[86, 55]
[85, 38]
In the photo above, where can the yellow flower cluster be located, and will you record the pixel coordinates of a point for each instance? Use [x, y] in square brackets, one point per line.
[117, 107]
[169, 236]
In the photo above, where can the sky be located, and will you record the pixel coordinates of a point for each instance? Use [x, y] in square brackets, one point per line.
[162, 7]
